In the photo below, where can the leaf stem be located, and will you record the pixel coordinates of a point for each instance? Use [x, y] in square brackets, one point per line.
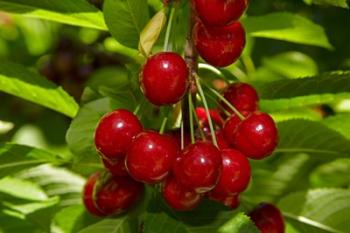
[201, 93]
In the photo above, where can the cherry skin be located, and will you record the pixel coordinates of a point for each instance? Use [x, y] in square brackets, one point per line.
[115, 132]
[116, 167]
[268, 218]
[235, 175]
[242, 96]
[117, 194]
[220, 138]
[220, 12]
[231, 201]
[179, 197]
[151, 157]
[231, 125]
[256, 136]
[88, 196]
[164, 78]
[203, 118]
[199, 167]
[219, 46]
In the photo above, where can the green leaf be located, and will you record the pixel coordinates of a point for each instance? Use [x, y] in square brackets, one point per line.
[21, 82]
[286, 94]
[239, 224]
[11, 224]
[126, 19]
[313, 138]
[334, 174]
[161, 222]
[14, 158]
[338, 3]
[77, 12]
[340, 123]
[120, 225]
[287, 26]
[151, 32]
[319, 210]
[22, 189]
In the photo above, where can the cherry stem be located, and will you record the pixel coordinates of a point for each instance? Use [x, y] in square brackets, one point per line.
[162, 127]
[219, 105]
[138, 107]
[211, 126]
[182, 135]
[225, 101]
[190, 112]
[198, 123]
[167, 46]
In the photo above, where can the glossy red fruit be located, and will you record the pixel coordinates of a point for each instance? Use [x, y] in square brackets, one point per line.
[235, 174]
[115, 132]
[242, 96]
[256, 136]
[117, 194]
[178, 197]
[268, 218]
[199, 167]
[116, 167]
[231, 125]
[220, 138]
[219, 46]
[220, 12]
[88, 196]
[151, 156]
[203, 118]
[164, 78]
[231, 201]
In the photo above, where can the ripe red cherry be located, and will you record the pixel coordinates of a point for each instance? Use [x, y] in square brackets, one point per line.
[115, 132]
[268, 218]
[179, 197]
[164, 78]
[203, 118]
[220, 12]
[151, 157]
[256, 136]
[117, 194]
[242, 96]
[116, 167]
[199, 167]
[220, 138]
[219, 46]
[235, 174]
[231, 201]
[230, 126]
[88, 196]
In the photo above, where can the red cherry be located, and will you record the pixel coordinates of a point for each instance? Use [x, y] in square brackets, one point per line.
[164, 78]
[151, 157]
[199, 167]
[242, 96]
[231, 201]
[176, 134]
[117, 194]
[268, 218]
[220, 12]
[203, 118]
[116, 167]
[220, 138]
[179, 197]
[88, 196]
[231, 125]
[235, 175]
[115, 132]
[219, 46]
[256, 136]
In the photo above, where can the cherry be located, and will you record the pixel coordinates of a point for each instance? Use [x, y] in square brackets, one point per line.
[116, 167]
[220, 12]
[221, 140]
[219, 46]
[268, 218]
[88, 195]
[235, 175]
[164, 78]
[230, 126]
[117, 194]
[199, 167]
[176, 134]
[231, 201]
[203, 118]
[256, 136]
[242, 96]
[179, 197]
[151, 156]
[115, 132]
